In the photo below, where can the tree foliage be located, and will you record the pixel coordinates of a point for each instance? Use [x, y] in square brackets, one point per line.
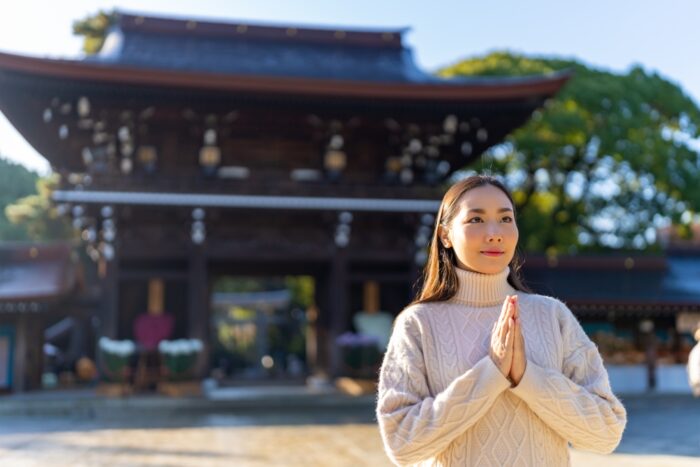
[36, 216]
[608, 160]
[94, 30]
[15, 182]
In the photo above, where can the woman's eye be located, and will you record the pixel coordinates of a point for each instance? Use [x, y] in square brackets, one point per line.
[474, 220]
[507, 219]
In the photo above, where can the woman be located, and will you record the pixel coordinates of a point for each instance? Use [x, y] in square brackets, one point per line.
[481, 372]
[694, 365]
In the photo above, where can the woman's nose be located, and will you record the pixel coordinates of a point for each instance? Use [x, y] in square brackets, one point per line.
[494, 236]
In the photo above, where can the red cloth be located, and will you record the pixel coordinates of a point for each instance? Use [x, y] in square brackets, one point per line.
[151, 329]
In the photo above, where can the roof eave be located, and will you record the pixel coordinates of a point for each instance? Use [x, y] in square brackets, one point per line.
[539, 87]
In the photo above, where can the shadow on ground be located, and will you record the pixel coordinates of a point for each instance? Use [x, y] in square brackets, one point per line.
[657, 424]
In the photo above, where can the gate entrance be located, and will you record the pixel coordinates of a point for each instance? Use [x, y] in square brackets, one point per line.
[259, 328]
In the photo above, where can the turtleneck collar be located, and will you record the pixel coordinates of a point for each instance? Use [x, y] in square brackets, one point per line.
[482, 289]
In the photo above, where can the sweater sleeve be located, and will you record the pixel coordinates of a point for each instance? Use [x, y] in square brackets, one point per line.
[576, 402]
[694, 369]
[414, 424]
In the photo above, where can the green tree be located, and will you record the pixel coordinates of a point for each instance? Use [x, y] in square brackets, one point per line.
[605, 162]
[15, 182]
[94, 30]
[37, 215]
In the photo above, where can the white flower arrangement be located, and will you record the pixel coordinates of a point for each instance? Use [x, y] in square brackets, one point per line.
[180, 347]
[114, 359]
[180, 357]
[123, 348]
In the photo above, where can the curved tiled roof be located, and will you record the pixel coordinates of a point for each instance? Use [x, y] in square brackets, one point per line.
[36, 272]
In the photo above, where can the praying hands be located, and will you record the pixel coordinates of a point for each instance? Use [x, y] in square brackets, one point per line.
[507, 349]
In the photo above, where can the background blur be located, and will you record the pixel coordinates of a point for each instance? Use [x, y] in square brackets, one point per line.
[211, 212]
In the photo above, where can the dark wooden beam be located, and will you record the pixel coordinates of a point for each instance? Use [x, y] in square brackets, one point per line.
[198, 310]
[338, 307]
[109, 321]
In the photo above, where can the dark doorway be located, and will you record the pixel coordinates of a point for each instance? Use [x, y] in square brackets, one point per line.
[259, 328]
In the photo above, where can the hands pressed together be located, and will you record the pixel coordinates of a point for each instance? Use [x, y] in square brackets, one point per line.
[507, 349]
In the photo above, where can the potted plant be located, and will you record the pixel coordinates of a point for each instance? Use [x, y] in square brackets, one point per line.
[179, 358]
[115, 367]
[360, 355]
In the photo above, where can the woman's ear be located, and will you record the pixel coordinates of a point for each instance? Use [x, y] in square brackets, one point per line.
[443, 234]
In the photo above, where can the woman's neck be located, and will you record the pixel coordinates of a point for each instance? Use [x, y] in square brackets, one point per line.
[482, 289]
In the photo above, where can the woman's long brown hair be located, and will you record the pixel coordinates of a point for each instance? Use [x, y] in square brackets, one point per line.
[439, 277]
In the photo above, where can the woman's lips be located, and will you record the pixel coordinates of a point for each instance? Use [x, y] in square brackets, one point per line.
[492, 253]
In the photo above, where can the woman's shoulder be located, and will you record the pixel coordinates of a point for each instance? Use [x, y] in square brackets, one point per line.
[420, 312]
[559, 311]
[544, 303]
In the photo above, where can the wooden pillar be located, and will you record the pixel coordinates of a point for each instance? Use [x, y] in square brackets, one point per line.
[19, 367]
[198, 312]
[338, 307]
[321, 326]
[34, 358]
[28, 353]
[109, 273]
[646, 328]
[311, 334]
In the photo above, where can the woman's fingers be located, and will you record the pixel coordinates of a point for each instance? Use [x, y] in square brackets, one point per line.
[510, 314]
[504, 309]
[506, 317]
[510, 336]
[503, 336]
[499, 321]
[519, 360]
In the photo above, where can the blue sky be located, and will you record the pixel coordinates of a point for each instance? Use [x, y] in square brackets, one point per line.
[661, 36]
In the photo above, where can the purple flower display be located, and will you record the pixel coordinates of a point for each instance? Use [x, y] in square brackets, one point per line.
[350, 339]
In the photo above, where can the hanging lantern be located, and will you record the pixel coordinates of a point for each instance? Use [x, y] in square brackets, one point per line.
[89, 235]
[210, 154]
[148, 158]
[392, 169]
[343, 229]
[209, 159]
[450, 124]
[335, 159]
[83, 107]
[107, 251]
[87, 156]
[109, 230]
[127, 165]
[198, 232]
[124, 134]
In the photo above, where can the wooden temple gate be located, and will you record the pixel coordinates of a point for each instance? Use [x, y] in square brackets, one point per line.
[187, 149]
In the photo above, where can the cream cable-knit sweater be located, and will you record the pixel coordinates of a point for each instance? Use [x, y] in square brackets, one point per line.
[442, 401]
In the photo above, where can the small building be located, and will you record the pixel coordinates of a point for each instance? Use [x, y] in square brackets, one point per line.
[38, 285]
[193, 149]
[641, 311]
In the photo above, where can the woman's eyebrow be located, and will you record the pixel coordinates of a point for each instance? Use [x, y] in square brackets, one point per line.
[482, 211]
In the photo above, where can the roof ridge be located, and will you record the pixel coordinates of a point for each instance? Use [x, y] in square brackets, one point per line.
[385, 38]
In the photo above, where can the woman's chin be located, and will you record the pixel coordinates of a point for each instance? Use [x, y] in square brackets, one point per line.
[486, 268]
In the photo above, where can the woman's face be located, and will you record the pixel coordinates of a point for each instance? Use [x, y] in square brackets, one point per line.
[483, 233]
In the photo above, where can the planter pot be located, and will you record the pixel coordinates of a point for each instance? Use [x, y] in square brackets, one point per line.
[114, 389]
[180, 388]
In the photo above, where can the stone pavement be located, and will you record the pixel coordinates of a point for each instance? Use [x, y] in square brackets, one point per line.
[662, 431]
